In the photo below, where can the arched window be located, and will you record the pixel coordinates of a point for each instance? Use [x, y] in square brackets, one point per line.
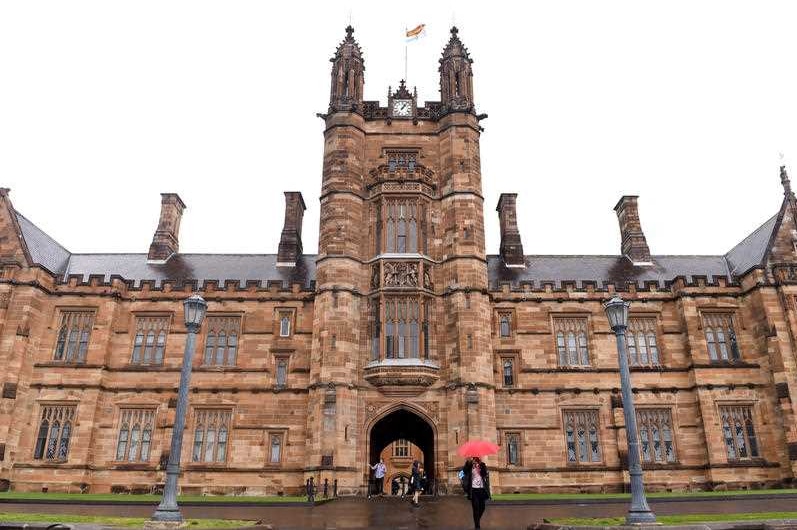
[581, 436]
[211, 435]
[121, 445]
[160, 347]
[210, 347]
[276, 449]
[285, 325]
[402, 220]
[137, 343]
[721, 337]
[149, 343]
[739, 432]
[505, 322]
[148, 350]
[52, 443]
[41, 439]
[655, 435]
[73, 336]
[63, 444]
[282, 372]
[509, 373]
[134, 439]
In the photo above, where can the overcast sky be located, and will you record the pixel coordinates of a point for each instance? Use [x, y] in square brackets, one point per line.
[103, 105]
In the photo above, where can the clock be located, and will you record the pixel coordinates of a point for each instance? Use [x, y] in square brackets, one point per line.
[402, 107]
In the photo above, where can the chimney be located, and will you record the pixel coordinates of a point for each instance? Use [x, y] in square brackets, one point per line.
[165, 241]
[290, 247]
[633, 244]
[511, 245]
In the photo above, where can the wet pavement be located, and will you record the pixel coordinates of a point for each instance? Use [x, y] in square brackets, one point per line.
[434, 513]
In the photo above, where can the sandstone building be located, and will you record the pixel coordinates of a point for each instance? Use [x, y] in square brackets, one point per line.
[402, 327]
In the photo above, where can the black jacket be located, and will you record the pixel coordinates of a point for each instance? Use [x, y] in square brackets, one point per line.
[468, 469]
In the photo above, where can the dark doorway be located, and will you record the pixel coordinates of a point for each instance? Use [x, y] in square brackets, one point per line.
[404, 425]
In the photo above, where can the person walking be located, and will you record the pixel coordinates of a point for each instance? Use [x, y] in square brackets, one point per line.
[415, 483]
[477, 481]
[310, 486]
[379, 475]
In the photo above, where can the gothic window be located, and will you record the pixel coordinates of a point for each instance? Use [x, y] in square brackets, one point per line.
[401, 161]
[73, 336]
[373, 317]
[738, 431]
[282, 371]
[135, 435]
[221, 341]
[643, 348]
[720, 337]
[401, 448]
[55, 433]
[512, 448]
[211, 431]
[505, 324]
[656, 443]
[508, 368]
[426, 330]
[275, 448]
[581, 436]
[149, 343]
[402, 217]
[402, 326]
[571, 341]
[285, 318]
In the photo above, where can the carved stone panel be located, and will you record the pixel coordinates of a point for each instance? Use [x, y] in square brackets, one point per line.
[400, 274]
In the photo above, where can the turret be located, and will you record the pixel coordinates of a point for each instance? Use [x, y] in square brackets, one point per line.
[348, 68]
[456, 75]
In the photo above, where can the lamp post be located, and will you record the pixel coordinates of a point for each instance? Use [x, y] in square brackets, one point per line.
[639, 512]
[167, 511]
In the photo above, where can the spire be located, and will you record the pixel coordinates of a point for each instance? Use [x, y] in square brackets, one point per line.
[456, 75]
[785, 182]
[348, 67]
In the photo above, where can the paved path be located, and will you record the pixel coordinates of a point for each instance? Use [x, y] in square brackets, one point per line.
[438, 513]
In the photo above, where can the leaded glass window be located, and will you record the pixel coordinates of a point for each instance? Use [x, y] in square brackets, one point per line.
[581, 436]
[505, 324]
[135, 435]
[402, 219]
[571, 341]
[741, 442]
[720, 337]
[221, 341]
[275, 453]
[74, 332]
[282, 371]
[149, 343]
[285, 323]
[211, 429]
[656, 443]
[512, 448]
[642, 346]
[55, 433]
[401, 448]
[402, 327]
[508, 367]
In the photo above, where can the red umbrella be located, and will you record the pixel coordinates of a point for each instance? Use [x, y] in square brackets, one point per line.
[478, 448]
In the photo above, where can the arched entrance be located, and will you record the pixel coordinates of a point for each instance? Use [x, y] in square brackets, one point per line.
[403, 424]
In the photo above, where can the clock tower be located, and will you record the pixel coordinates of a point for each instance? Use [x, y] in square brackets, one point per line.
[401, 333]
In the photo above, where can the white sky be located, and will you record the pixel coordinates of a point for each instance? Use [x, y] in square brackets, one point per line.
[103, 105]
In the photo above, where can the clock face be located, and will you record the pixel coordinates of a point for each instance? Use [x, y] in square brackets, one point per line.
[402, 107]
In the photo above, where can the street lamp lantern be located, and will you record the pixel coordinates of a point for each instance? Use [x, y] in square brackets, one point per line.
[167, 514]
[195, 308]
[639, 512]
[617, 312]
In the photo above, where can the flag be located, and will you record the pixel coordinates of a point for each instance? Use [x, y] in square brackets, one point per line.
[416, 33]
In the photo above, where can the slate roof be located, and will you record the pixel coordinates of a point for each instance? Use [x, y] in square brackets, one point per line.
[262, 268]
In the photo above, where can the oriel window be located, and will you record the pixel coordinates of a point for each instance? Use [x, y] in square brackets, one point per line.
[402, 218]
[74, 332]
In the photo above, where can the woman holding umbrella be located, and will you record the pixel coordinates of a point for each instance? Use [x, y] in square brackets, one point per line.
[477, 477]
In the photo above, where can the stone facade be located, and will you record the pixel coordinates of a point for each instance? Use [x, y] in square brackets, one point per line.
[401, 327]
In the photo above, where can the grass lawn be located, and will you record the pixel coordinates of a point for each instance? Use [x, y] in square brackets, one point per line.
[679, 519]
[581, 496]
[133, 522]
[114, 497]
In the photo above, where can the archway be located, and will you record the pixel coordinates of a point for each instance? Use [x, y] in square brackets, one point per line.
[404, 425]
